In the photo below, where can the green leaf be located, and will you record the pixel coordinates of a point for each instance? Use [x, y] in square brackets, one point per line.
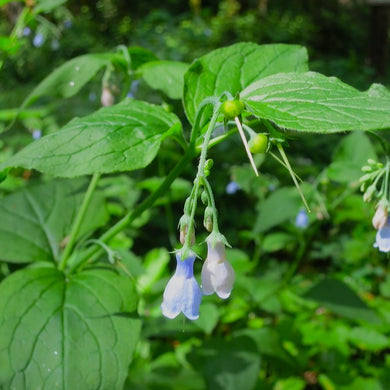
[282, 205]
[47, 5]
[123, 137]
[66, 332]
[368, 339]
[315, 103]
[228, 364]
[166, 76]
[268, 343]
[35, 220]
[340, 299]
[352, 153]
[70, 77]
[235, 67]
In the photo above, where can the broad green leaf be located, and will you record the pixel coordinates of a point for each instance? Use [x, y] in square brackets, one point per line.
[166, 76]
[66, 331]
[315, 103]
[35, 220]
[235, 67]
[277, 241]
[352, 153]
[119, 138]
[340, 299]
[70, 77]
[208, 319]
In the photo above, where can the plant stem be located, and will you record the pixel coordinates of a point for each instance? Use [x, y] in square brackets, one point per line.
[78, 221]
[131, 216]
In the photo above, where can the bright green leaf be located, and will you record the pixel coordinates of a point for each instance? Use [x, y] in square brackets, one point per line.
[35, 220]
[235, 67]
[166, 76]
[123, 137]
[315, 103]
[47, 5]
[66, 332]
[368, 339]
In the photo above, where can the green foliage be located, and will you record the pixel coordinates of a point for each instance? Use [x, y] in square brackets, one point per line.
[83, 265]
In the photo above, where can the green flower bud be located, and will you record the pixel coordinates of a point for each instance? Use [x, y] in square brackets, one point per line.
[232, 108]
[258, 143]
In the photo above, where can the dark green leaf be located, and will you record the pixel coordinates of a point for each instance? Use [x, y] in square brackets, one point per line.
[66, 332]
[35, 220]
[315, 103]
[235, 67]
[339, 298]
[123, 137]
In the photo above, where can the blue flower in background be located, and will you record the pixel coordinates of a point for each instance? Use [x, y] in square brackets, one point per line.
[232, 188]
[302, 219]
[37, 133]
[383, 238]
[38, 40]
[182, 293]
[26, 31]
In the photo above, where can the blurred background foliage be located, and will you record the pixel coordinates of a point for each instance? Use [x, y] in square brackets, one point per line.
[310, 308]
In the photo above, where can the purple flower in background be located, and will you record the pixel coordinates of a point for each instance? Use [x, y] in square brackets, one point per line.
[38, 40]
[232, 188]
[36, 134]
[383, 238]
[68, 23]
[26, 31]
[302, 219]
[182, 293]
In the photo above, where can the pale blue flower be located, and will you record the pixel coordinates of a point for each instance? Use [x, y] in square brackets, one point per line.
[302, 219]
[182, 293]
[26, 31]
[38, 40]
[383, 238]
[232, 188]
[36, 134]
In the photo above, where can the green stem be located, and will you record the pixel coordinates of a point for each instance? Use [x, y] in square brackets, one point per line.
[78, 221]
[212, 201]
[197, 181]
[131, 216]
[292, 174]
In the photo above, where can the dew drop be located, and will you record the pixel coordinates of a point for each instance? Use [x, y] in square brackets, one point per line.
[49, 369]
[55, 353]
[77, 68]
[71, 83]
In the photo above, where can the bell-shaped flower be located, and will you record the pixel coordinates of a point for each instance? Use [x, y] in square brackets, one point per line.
[182, 293]
[302, 219]
[383, 238]
[217, 273]
[380, 217]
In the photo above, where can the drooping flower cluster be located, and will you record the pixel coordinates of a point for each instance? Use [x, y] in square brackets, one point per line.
[183, 294]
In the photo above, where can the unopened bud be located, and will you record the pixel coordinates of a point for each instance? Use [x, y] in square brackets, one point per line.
[208, 219]
[184, 233]
[380, 217]
[367, 197]
[107, 98]
[204, 197]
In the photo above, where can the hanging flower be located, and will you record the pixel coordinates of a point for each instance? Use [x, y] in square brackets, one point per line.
[383, 238]
[182, 293]
[302, 219]
[380, 217]
[217, 273]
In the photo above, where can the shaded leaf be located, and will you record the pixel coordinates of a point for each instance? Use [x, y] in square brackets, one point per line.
[340, 299]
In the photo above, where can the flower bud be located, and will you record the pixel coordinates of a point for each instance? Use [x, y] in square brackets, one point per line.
[380, 218]
[367, 197]
[208, 219]
[107, 98]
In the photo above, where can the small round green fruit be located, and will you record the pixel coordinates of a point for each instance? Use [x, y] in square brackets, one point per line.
[258, 144]
[232, 108]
